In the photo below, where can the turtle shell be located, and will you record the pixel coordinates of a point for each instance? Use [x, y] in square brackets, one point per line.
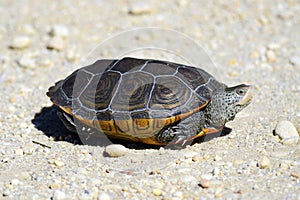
[131, 98]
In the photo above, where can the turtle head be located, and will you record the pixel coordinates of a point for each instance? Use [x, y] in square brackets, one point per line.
[236, 99]
[226, 102]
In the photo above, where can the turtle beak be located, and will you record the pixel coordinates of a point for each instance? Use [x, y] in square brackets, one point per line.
[248, 95]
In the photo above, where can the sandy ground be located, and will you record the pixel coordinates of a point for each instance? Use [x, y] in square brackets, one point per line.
[254, 42]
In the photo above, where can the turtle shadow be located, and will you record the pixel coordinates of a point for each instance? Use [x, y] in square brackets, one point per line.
[49, 123]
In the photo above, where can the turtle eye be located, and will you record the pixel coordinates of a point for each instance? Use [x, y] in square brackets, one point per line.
[241, 92]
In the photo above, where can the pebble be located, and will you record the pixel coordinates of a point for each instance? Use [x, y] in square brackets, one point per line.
[104, 196]
[59, 30]
[287, 132]
[140, 8]
[216, 171]
[157, 192]
[27, 61]
[55, 186]
[56, 43]
[217, 157]
[15, 181]
[295, 61]
[264, 163]
[20, 42]
[207, 176]
[188, 179]
[23, 125]
[58, 195]
[28, 29]
[273, 46]
[271, 56]
[24, 175]
[116, 150]
[6, 192]
[28, 149]
[43, 61]
[72, 55]
[295, 175]
[197, 158]
[19, 152]
[284, 166]
[204, 183]
[58, 163]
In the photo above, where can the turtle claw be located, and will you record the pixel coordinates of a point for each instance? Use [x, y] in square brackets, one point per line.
[174, 133]
[181, 139]
[69, 119]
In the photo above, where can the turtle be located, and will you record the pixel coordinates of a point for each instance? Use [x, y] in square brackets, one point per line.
[150, 101]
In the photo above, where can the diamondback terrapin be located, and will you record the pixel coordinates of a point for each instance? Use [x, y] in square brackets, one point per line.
[149, 101]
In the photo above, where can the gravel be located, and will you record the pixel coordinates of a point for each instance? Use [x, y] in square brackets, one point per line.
[253, 42]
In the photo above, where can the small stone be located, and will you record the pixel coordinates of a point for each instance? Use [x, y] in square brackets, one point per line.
[273, 46]
[157, 192]
[58, 163]
[254, 54]
[24, 175]
[271, 56]
[284, 166]
[23, 125]
[28, 29]
[204, 183]
[188, 179]
[15, 181]
[287, 132]
[206, 176]
[58, 195]
[295, 175]
[55, 186]
[178, 194]
[217, 158]
[56, 43]
[233, 73]
[295, 61]
[232, 62]
[28, 149]
[72, 55]
[264, 163]
[216, 171]
[20, 42]
[116, 150]
[6, 192]
[43, 61]
[104, 196]
[27, 61]
[196, 158]
[263, 20]
[19, 152]
[139, 8]
[59, 30]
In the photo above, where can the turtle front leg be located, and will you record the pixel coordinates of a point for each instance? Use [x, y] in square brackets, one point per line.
[184, 131]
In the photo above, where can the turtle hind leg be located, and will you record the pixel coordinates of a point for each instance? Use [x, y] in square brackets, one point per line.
[87, 135]
[66, 120]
